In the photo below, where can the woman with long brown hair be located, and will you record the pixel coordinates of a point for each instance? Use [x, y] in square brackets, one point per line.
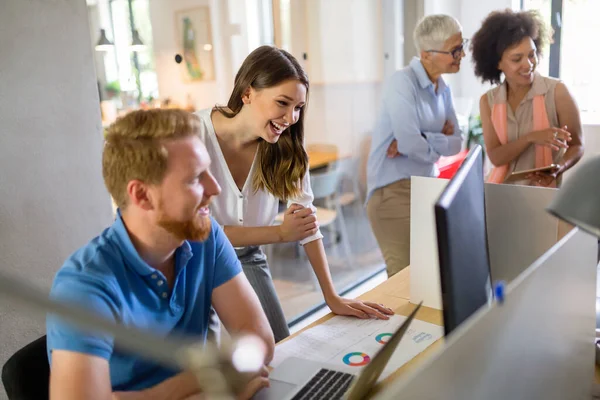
[256, 144]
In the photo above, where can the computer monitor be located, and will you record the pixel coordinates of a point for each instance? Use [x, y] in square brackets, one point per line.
[462, 243]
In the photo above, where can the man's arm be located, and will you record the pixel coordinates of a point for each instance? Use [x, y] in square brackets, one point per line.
[234, 299]
[83, 376]
[79, 358]
[240, 311]
[79, 376]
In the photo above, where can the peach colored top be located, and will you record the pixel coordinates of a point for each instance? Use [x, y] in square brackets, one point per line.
[536, 111]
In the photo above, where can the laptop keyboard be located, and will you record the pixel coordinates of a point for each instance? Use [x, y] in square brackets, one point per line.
[326, 385]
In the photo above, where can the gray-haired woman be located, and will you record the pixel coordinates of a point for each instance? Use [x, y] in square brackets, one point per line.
[415, 126]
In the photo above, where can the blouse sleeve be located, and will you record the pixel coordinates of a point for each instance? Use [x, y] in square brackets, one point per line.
[305, 198]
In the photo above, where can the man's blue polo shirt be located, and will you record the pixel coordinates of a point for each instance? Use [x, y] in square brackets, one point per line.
[109, 277]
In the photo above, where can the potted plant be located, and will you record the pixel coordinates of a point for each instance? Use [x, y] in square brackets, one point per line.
[112, 89]
[475, 133]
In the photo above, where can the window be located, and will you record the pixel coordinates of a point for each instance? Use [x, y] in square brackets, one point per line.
[572, 56]
[545, 9]
[122, 64]
[259, 14]
[579, 55]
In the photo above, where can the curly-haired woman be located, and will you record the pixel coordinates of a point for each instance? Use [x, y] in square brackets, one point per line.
[529, 120]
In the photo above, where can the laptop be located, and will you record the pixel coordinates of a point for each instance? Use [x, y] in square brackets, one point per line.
[297, 378]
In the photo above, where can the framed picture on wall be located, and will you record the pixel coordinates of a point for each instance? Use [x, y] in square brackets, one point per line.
[194, 40]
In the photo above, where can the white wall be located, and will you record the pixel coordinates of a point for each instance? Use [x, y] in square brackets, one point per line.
[53, 197]
[342, 114]
[472, 14]
[413, 11]
[449, 7]
[393, 36]
[299, 37]
[344, 43]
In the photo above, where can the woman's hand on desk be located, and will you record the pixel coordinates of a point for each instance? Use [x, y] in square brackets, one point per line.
[358, 308]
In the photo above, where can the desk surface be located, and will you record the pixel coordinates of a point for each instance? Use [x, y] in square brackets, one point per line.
[395, 293]
[318, 159]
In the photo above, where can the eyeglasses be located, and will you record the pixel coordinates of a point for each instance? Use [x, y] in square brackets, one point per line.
[456, 53]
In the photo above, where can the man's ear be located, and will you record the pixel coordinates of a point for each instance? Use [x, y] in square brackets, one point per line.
[139, 195]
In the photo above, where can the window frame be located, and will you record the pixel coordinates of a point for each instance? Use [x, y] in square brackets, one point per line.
[556, 11]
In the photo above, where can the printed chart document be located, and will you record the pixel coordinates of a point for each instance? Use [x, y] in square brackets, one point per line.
[350, 343]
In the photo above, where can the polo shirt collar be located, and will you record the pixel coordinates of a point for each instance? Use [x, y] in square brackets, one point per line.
[121, 236]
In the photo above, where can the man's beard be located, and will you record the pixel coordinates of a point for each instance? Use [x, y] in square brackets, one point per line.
[196, 229]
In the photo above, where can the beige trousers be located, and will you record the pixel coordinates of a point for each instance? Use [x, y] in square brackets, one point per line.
[388, 211]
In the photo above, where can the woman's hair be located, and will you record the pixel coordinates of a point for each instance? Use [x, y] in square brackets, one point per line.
[281, 166]
[433, 30]
[500, 31]
[133, 147]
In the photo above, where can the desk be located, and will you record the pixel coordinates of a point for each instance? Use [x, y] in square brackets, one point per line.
[318, 159]
[395, 293]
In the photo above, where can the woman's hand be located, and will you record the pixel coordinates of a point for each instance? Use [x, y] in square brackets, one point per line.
[546, 178]
[392, 150]
[358, 308]
[299, 222]
[555, 138]
[448, 128]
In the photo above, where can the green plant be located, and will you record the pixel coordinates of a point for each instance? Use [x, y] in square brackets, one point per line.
[475, 133]
[113, 88]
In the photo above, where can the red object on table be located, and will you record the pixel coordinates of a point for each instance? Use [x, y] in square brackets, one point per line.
[449, 165]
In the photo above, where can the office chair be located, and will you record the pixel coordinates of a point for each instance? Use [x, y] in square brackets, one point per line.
[26, 375]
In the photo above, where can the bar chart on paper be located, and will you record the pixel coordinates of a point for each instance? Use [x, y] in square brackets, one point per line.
[351, 343]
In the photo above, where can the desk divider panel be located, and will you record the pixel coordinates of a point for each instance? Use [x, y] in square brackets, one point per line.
[424, 264]
[539, 344]
[519, 231]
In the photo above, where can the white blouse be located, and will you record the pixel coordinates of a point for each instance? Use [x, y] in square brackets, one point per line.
[246, 207]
